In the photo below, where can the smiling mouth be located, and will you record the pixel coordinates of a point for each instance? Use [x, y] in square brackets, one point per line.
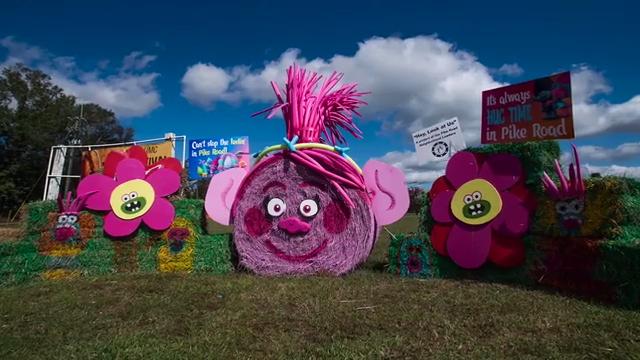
[134, 206]
[295, 258]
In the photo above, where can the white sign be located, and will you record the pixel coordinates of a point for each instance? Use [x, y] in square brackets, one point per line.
[440, 141]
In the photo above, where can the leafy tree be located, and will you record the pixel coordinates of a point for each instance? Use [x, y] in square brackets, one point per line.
[35, 114]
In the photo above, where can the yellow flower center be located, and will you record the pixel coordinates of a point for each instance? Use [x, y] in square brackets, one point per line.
[476, 202]
[132, 199]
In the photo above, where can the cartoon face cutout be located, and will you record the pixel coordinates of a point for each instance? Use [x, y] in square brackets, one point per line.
[288, 220]
[476, 202]
[132, 199]
[570, 214]
[67, 227]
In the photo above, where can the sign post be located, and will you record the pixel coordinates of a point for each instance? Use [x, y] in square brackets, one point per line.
[208, 157]
[535, 110]
[440, 141]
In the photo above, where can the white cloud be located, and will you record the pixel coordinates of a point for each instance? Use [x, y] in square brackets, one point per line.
[414, 83]
[624, 171]
[419, 81]
[137, 60]
[510, 70]
[624, 151]
[129, 93]
[414, 170]
[204, 84]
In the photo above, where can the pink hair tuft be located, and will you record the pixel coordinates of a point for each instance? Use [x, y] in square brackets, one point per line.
[571, 188]
[316, 116]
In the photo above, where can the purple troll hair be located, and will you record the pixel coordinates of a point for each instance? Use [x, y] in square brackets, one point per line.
[317, 118]
[569, 189]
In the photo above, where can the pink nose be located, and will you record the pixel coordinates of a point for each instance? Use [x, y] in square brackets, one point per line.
[294, 226]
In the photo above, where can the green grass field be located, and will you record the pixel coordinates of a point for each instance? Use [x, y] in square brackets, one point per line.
[367, 314]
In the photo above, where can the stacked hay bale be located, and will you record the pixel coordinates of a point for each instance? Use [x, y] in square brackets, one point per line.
[185, 247]
[601, 262]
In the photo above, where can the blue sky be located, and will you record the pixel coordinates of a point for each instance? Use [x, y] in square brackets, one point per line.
[422, 61]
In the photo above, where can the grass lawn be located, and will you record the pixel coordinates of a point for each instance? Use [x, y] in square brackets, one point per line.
[367, 314]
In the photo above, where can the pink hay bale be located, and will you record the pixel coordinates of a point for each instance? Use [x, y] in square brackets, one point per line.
[335, 240]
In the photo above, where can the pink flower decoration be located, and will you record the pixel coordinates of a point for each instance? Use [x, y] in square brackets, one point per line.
[133, 196]
[481, 210]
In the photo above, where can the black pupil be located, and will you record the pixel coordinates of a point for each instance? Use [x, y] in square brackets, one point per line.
[276, 207]
[306, 208]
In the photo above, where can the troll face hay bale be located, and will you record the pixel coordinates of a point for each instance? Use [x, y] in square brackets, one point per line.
[289, 221]
[308, 208]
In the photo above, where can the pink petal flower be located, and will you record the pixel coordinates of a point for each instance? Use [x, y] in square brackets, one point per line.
[462, 167]
[501, 170]
[116, 227]
[129, 169]
[441, 207]
[468, 246]
[513, 220]
[161, 214]
[164, 181]
[99, 200]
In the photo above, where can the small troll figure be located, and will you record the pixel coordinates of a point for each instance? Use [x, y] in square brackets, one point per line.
[306, 207]
[569, 197]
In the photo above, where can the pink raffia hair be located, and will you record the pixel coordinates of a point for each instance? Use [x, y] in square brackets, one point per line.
[67, 205]
[312, 117]
[569, 189]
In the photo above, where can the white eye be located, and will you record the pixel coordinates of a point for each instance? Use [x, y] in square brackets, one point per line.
[562, 207]
[577, 205]
[276, 207]
[133, 195]
[62, 218]
[309, 208]
[477, 196]
[468, 199]
[125, 198]
[72, 219]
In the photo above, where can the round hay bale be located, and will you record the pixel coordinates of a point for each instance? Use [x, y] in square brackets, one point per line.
[279, 232]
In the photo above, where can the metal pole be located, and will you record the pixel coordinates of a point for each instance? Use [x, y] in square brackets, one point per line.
[46, 181]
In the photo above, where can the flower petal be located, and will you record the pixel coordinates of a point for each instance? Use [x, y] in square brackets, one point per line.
[99, 200]
[111, 162]
[462, 167]
[116, 227]
[160, 216]
[501, 170]
[441, 207]
[513, 220]
[439, 235]
[170, 163]
[164, 181]
[137, 152]
[468, 246]
[129, 169]
[507, 251]
[441, 184]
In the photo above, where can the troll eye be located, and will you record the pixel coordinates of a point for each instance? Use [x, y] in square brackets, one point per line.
[477, 196]
[577, 205]
[562, 207]
[133, 195]
[276, 207]
[308, 208]
[72, 219]
[468, 199]
[62, 218]
[125, 198]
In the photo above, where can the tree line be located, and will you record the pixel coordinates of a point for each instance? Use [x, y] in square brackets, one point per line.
[35, 114]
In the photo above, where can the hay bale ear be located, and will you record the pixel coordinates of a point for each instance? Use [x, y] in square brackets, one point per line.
[222, 193]
[390, 195]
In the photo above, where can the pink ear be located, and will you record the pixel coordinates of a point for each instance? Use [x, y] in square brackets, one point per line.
[390, 192]
[222, 193]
